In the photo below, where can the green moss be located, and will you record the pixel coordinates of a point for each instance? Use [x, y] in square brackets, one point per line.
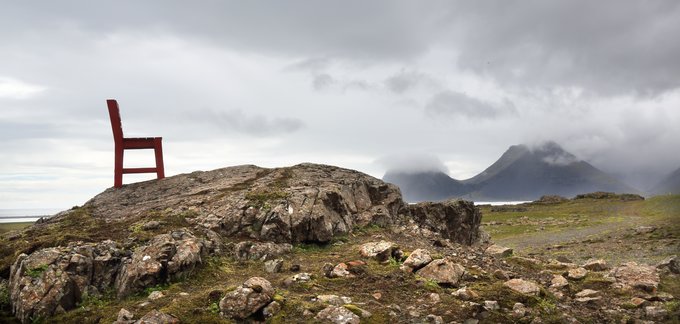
[354, 309]
[37, 271]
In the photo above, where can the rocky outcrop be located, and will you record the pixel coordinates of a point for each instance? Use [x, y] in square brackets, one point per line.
[55, 279]
[457, 220]
[267, 210]
[165, 258]
[303, 203]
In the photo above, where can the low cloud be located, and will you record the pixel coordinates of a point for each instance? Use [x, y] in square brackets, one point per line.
[456, 104]
[412, 163]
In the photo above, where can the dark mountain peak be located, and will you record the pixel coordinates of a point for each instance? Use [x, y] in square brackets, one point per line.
[553, 154]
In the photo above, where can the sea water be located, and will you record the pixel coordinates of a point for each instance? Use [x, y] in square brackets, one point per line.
[26, 215]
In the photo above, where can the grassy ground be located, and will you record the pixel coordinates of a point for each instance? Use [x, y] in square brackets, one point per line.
[6, 227]
[578, 229]
[586, 228]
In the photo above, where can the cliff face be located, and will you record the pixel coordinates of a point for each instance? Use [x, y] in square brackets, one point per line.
[151, 233]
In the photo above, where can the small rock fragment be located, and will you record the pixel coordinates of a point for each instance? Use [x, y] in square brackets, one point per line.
[577, 273]
[271, 309]
[558, 282]
[587, 293]
[518, 310]
[157, 317]
[491, 305]
[499, 251]
[443, 271]
[337, 315]
[273, 266]
[596, 265]
[125, 315]
[156, 295]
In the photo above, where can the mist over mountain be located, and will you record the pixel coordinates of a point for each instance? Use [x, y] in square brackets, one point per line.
[670, 184]
[427, 185]
[522, 173]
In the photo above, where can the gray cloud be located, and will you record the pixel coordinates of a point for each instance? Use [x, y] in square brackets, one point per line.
[235, 120]
[455, 104]
[412, 163]
[598, 77]
[407, 80]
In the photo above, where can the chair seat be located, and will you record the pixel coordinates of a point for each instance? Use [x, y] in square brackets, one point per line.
[140, 142]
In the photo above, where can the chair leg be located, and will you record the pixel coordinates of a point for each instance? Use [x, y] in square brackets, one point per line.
[118, 169]
[158, 150]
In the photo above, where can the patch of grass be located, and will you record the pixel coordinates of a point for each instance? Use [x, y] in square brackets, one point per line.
[6, 227]
[4, 297]
[37, 271]
[262, 199]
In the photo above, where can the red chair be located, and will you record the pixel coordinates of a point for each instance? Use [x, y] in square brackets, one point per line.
[122, 144]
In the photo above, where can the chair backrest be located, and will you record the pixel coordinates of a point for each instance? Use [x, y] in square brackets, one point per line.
[116, 125]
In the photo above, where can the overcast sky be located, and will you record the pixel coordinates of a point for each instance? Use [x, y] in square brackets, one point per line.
[366, 85]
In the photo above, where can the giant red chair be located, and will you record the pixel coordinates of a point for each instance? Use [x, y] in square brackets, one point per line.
[130, 143]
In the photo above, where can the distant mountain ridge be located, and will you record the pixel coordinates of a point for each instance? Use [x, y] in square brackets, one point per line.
[670, 184]
[521, 173]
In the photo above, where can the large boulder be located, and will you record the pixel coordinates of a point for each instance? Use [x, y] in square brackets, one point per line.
[54, 280]
[253, 295]
[443, 271]
[167, 257]
[457, 220]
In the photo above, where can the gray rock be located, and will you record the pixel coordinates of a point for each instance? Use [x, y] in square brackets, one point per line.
[337, 315]
[577, 273]
[416, 260]
[641, 276]
[157, 317]
[491, 305]
[381, 251]
[272, 309]
[248, 250]
[273, 266]
[672, 263]
[166, 257]
[596, 265]
[456, 220]
[657, 313]
[340, 271]
[254, 294]
[465, 294]
[558, 282]
[125, 315]
[587, 293]
[523, 286]
[518, 310]
[435, 319]
[151, 225]
[499, 251]
[443, 271]
[331, 300]
[54, 280]
[154, 295]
